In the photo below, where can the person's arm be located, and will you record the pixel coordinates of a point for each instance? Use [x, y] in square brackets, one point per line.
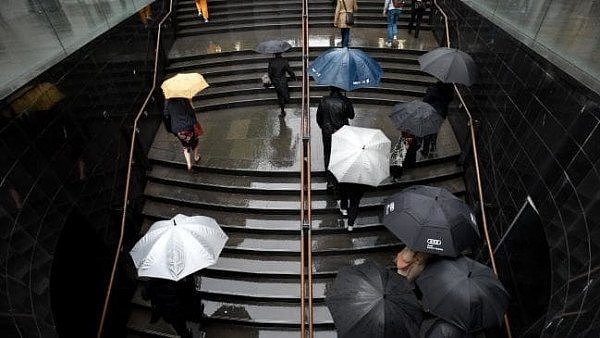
[167, 118]
[289, 70]
[354, 6]
[349, 109]
[386, 4]
[320, 114]
[271, 71]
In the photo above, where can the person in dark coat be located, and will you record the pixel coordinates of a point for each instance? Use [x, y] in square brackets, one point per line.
[173, 301]
[333, 113]
[180, 119]
[417, 9]
[278, 67]
[350, 195]
[439, 96]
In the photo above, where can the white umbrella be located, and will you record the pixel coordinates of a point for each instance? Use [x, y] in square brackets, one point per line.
[360, 155]
[178, 247]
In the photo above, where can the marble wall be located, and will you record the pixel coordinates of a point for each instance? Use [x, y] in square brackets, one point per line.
[538, 133]
[64, 140]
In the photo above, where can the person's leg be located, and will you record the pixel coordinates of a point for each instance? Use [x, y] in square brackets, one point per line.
[326, 156]
[390, 26]
[204, 10]
[395, 26]
[353, 208]
[188, 158]
[343, 201]
[418, 26]
[411, 21]
[181, 328]
[345, 37]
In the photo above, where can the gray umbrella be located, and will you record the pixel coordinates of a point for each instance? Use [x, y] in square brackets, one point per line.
[368, 300]
[272, 47]
[416, 117]
[449, 65]
[439, 328]
[463, 292]
[431, 219]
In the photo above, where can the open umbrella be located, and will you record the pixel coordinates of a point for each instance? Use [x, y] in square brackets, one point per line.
[416, 117]
[431, 219]
[370, 301]
[184, 85]
[439, 328]
[346, 68]
[360, 155]
[463, 292]
[178, 247]
[449, 65]
[272, 47]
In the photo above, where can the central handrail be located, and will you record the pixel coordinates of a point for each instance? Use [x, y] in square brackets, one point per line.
[477, 167]
[129, 169]
[306, 258]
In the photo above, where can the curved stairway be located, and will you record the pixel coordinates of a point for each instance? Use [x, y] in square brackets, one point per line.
[248, 180]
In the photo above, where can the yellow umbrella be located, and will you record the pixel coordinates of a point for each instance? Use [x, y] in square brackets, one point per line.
[184, 85]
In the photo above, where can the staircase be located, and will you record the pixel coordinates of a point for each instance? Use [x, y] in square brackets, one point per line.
[249, 181]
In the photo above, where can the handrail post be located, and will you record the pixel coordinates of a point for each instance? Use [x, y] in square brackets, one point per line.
[477, 170]
[128, 177]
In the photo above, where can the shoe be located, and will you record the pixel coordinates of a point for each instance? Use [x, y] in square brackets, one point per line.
[200, 14]
[395, 37]
[205, 20]
[343, 211]
[389, 44]
[350, 228]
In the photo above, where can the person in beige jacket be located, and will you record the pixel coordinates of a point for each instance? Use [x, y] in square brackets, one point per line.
[339, 20]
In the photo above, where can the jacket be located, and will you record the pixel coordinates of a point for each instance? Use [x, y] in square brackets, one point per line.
[439, 96]
[339, 18]
[333, 113]
[179, 115]
[278, 67]
[170, 299]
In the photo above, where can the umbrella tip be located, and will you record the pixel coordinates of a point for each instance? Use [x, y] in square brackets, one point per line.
[363, 147]
[174, 223]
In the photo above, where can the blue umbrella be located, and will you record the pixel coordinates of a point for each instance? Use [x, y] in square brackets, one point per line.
[346, 68]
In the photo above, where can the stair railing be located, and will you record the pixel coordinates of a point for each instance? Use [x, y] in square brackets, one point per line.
[129, 170]
[477, 168]
[306, 260]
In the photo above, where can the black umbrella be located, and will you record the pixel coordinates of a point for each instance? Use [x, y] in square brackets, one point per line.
[439, 328]
[431, 219]
[416, 117]
[463, 292]
[370, 301]
[449, 65]
[272, 47]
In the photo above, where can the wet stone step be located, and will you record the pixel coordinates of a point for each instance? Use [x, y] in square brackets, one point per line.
[246, 222]
[139, 323]
[271, 203]
[254, 313]
[225, 330]
[260, 288]
[278, 265]
[188, 12]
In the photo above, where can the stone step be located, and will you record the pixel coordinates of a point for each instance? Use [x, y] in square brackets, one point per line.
[218, 6]
[287, 266]
[268, 203]
[189, 13]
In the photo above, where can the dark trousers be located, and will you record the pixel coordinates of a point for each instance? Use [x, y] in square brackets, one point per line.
[350, 197]
[416, 16]
[326, 155]
[345, 37]
[428, 144]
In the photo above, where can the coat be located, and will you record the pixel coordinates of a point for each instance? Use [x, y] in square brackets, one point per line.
[439, 96]
[278, 67]
[333, 113]
[339, 18]
[169, 299]
[179, 115]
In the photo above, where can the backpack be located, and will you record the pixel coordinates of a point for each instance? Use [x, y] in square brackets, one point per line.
[398, 3]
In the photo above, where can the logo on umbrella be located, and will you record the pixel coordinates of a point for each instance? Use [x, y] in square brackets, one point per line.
[434, 244]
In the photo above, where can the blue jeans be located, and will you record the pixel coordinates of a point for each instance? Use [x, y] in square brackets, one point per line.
[392, 20]
[345, 37]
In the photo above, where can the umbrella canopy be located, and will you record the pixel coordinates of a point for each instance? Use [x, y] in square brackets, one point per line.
[184, 85]
[439, 328]
[272, 47]
[431, 219]
[449, 65]
[463, 292]
[360, 155]
[178, 247]
[346, 68]
[370, 301]
[416, 117]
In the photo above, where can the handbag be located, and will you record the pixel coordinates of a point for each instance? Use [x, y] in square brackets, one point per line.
[198, 131]
[266, 80]
[349, 15]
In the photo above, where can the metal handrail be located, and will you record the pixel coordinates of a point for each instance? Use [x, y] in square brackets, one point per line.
[305, 190]
[477, 168]
[128, 177]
